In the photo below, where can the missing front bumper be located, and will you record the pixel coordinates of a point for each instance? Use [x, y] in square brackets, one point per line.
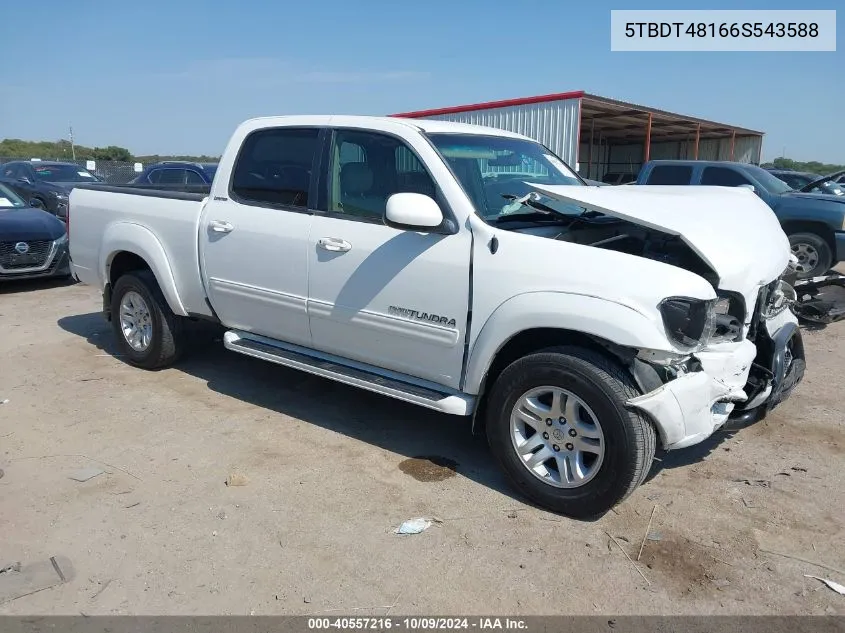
[690, 408]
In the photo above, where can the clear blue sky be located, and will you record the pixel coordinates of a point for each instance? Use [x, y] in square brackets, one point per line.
[176, 76]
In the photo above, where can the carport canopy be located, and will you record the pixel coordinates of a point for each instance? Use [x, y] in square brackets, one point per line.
[620, 123]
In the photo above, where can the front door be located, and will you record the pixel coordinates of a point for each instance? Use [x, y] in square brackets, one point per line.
[388, 297]
[254, 242]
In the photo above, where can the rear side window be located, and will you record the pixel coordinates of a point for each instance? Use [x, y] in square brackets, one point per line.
[670, 175]
[274, 167]
[723, 177]
[193, 178]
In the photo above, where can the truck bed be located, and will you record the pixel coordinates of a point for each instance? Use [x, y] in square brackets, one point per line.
[105, 219]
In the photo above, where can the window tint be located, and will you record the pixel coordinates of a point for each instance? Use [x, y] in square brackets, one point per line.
[723, 177]
[274, 166]
[365, 169]
[193, 178]
[670, 175]
[171, 177]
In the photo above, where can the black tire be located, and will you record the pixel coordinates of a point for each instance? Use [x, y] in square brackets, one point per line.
[167, 341]
[630, 438]
[820, 245]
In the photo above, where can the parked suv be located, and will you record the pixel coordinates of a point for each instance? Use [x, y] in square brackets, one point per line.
[814, 223]
[176, 174]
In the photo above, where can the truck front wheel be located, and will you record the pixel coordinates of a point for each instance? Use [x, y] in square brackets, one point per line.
[814, 254]
[147, 331]
[558, 425]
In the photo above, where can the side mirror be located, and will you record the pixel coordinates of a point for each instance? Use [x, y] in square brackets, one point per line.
[35, 202]
[751, 187]
[413, 211]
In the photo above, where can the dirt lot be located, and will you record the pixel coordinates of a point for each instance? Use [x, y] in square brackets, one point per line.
[159, 532]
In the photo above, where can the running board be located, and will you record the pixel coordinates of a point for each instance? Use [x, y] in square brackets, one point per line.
[348, 373]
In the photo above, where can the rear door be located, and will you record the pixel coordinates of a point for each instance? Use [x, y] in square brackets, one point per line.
[394, 298]
[254, 242]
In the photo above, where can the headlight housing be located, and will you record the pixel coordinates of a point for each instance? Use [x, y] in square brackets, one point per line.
[61, 240]
[61, 197]
[689, 322]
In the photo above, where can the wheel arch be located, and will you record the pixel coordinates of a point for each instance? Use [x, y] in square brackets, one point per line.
[790, 227]
[132, 247]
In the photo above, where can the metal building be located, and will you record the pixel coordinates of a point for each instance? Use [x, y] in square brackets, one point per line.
[600, 136]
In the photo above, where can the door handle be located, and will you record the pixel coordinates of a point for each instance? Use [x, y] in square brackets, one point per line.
[219, 226]
[334, 244]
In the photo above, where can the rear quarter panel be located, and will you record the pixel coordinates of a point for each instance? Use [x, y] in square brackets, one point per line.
[162, 231]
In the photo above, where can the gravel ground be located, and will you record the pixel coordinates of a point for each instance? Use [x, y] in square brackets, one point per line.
[330, 473]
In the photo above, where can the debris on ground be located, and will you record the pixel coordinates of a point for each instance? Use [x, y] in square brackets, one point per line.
[655, 536]
[840, 589]
[12, 567]
[86, 473]
[762, 483]
[512, 514]
[1, 473]
[19, 581]
[132, 505]
[237, 479]
[413, 526]
[799, 469]
[221, 514]
[6, 401]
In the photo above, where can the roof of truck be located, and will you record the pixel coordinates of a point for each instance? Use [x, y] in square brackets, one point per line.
[432, 126]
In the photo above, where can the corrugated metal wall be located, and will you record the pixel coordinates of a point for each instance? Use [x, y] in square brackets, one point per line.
[629, 158]
[553, 123]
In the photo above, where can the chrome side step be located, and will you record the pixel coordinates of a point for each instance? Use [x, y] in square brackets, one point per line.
[349, 372]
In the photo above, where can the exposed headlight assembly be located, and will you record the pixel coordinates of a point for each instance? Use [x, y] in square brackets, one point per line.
[61, 240]
[779, 300]
[689, 322]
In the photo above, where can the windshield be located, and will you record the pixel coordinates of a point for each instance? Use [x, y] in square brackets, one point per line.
[63, 173]
[770, 183]
[495, 169]
[9, 199]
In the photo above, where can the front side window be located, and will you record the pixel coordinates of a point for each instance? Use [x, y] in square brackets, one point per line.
[724, 177]
[274, 166]
[494, 170]
[366, 168]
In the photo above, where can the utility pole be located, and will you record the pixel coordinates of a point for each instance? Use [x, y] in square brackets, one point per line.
[72, 147]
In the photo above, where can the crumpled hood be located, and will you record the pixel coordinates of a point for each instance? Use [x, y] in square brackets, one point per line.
[731, 229]
[29, 224]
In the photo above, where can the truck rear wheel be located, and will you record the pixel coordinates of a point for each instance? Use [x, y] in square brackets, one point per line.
[814, 254]
[558, 425]
[148, 333]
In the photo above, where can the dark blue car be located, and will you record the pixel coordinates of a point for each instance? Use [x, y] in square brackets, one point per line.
[176, 174]
[33, 243]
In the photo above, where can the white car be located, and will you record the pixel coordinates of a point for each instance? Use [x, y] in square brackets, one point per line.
[467, 270]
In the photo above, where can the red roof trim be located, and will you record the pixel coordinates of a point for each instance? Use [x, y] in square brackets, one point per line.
[560, 96]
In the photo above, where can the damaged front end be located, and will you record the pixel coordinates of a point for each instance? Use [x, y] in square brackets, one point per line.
[726, 382]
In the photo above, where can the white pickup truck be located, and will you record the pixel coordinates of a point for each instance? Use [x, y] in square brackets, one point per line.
[467, 270]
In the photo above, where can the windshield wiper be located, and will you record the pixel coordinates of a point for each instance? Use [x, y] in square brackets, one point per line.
[531, 199]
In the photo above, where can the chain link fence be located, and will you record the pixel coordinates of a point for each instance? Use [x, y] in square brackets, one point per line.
[111, 171]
